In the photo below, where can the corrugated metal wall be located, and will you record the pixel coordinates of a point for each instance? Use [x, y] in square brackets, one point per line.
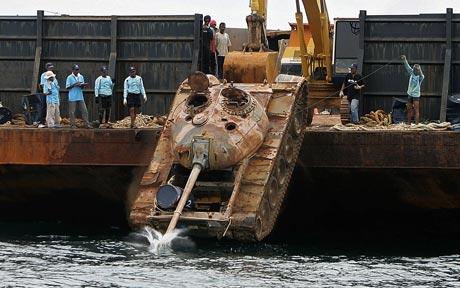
[164, 49]
[424, 40]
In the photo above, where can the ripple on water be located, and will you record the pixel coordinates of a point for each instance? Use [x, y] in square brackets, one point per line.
[112, 261]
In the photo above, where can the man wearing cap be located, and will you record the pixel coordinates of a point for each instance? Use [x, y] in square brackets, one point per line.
[51, 90]
[103, 95]
[75, 83]
[352, 86]
[133, 89]
[42, 103]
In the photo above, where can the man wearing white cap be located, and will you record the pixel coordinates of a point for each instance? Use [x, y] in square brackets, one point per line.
[41, 105]
[75, 83]
[51, 90]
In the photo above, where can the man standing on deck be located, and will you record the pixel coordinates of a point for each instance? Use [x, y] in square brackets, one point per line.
[51, 90]
[133, 89]
[206, 45]
[413, 90]
[223, 43]
[103, 95]
[42, 98]
[75, 83]
[352, 86]
[213, 61]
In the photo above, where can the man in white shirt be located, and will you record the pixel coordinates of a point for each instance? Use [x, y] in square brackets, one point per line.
[223, 43]
[103, 87]
[132, 92]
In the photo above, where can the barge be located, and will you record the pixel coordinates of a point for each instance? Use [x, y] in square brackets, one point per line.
[76, 174]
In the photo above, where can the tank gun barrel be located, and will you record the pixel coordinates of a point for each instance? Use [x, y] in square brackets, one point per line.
[183, 200]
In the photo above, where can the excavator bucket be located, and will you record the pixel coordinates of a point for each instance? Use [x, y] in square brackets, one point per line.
[250, 67]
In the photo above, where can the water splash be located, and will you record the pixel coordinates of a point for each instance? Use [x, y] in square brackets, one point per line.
[160, 244]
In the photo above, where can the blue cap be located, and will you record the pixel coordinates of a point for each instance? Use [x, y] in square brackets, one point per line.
[75, 67]
[104, 68]
[132, 68]
[48, 65]
[354, 65]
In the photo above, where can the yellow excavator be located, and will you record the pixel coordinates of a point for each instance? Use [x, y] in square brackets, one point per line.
[256, 63]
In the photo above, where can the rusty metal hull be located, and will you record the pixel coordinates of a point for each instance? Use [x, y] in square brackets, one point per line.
[75, 174]
[374, 185]
[380, 170]
[384, 170]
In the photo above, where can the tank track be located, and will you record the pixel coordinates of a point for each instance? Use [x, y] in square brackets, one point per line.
[268, 173]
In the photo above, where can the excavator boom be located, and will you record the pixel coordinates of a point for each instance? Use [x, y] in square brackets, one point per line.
[318, 18]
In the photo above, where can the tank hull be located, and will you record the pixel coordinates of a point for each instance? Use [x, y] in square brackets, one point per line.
[241, 202]
[74, 174]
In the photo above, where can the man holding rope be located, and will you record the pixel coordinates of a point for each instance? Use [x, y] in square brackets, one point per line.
[413, 90]
[352, 86]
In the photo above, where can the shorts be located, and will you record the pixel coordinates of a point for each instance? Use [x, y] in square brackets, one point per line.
[134, 100]
[411, 99]
[106, 101]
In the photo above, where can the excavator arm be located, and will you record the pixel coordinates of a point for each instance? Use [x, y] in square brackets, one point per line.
[318, 19]
[257, 26]
[258, 7]
[256, 63]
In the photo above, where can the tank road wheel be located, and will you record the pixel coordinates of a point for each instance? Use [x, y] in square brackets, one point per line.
[263, 219]
[289, 148]
[272, 191]
[281, 170]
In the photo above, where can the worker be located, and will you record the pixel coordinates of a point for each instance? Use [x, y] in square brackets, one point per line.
[213, 61]
[51, 90]
[223, 43]
[352, 86]
[75, 83]
[41, 104]
[133, 89]
[206, 45]
[413, 90]
[103, 87]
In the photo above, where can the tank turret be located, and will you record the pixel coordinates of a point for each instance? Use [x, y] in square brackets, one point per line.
[229, 122]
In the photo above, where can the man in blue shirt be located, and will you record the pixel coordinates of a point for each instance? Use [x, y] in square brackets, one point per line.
[133, 89]
[75, 83]
[51, 90]
[41, 105]
[413, 90]
[103, 95]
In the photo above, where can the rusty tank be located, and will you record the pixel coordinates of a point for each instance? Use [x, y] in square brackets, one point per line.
[224, 159]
